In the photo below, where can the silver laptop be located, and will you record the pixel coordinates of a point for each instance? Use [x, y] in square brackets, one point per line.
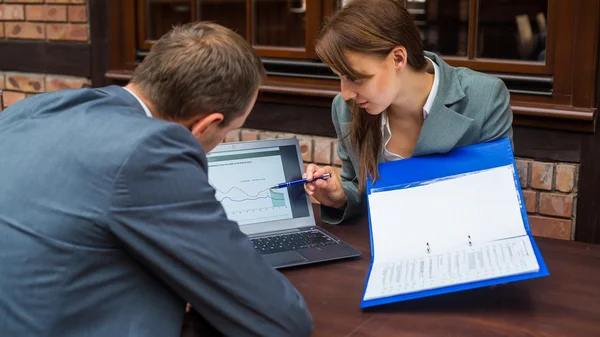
[278, 221]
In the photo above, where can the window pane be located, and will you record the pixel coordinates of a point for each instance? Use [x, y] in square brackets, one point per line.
[512, 29]
[162, 15]
[229, 13]
[279, 23]
[444, 25]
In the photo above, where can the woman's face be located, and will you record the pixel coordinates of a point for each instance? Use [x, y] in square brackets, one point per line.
[374, 94]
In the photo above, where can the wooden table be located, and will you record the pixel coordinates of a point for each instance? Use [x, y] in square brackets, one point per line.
[566, 303]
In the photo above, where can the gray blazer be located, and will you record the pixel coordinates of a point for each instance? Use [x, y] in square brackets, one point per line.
[469, 108]
[108, 226]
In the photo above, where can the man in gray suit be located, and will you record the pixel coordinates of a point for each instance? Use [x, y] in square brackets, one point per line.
[108, 224]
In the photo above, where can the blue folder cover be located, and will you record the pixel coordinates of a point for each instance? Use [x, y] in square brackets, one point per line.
[417, 170]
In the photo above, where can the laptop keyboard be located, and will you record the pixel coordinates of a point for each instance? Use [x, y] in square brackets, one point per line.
[292, 241]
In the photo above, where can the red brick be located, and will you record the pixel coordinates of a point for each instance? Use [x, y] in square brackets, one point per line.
[78, 14]
[541, 175]
[2, 81]
[11, 97]
[78, 1]
[11, 13]
[530, 198]
[523, 170]
[336, 157]
[306, 148]
[285, 135]
[26, 1]
[248, 134]
[58, 1]
[24, 30]
[46, 13]
[550, 227]
[556, 204]
[1, 30]
[565, 177]
[67, 31]
[25, 82]
[267, 135]
[322, 150]
[233, 136]
[55, 83]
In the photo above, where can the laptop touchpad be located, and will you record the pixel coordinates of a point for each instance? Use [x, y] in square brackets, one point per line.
[284, 258]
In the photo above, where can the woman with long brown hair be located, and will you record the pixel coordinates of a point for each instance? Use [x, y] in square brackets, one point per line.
[396, 101]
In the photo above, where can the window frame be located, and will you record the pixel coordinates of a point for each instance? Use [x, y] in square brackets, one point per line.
[313, 15]
[570, 67]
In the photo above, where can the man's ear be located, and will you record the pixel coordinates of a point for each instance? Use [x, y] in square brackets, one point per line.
[400, 57]
[202, 124]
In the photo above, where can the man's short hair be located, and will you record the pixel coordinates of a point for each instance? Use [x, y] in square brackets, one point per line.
[197, 68]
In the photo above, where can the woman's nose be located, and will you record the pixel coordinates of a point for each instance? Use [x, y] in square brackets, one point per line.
[347, 91]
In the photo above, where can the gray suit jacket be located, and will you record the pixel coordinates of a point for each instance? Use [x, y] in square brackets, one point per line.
[469, 108]
[108, 226]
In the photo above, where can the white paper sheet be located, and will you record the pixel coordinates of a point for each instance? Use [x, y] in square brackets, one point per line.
[446, 215]
[476, 263]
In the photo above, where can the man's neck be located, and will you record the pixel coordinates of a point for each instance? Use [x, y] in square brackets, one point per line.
[136, 91]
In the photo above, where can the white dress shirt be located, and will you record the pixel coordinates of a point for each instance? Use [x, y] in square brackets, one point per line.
[148, 113]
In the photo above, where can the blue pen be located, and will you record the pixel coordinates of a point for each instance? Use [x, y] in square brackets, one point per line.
[301, 181]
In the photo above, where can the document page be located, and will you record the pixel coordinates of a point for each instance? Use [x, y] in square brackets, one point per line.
[447, 214]
[476, 263]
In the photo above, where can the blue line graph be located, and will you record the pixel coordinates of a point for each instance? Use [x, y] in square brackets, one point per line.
[244, 189]
[238, 195]
[277, 199]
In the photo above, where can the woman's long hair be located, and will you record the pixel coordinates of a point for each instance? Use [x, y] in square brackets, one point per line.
[374, 28]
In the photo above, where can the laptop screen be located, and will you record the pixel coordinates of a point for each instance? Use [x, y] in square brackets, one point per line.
[243, 175]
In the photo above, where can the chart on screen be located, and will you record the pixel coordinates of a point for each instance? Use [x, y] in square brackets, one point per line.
[243, 186]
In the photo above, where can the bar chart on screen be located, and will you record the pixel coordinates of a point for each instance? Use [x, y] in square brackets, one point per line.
[243, 186]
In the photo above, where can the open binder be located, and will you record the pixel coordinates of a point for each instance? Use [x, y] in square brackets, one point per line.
[446, 223]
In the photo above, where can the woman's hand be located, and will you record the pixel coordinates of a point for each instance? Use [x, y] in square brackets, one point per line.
[328, 192]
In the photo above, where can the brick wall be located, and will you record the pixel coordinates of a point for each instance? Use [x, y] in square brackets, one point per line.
[550, 193]
[549, 188]
[43, 21]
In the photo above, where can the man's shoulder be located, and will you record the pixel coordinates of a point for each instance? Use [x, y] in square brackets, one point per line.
[109, 124]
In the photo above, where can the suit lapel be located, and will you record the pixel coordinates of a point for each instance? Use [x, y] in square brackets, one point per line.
[444, 127]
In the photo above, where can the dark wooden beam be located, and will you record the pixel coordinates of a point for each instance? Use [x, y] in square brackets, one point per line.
[65, 58]
[100, 46]
[587, 227]
[545, 144]
[280, 117]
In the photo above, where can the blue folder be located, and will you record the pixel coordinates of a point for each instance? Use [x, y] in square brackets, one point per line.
[415, 171]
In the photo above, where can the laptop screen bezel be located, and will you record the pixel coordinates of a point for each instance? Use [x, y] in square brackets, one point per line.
[276, 225]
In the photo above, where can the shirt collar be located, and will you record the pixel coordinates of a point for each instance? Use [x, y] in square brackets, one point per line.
[434, 88]
[146, 110]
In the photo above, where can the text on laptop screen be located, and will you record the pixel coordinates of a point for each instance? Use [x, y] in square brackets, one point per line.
[243, 180]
